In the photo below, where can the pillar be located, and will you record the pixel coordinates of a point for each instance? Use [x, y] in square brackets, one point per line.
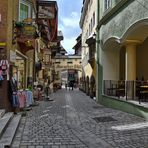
[130, 68]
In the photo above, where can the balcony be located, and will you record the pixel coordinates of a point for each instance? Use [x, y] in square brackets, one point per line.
[92, 48]
[91, 56]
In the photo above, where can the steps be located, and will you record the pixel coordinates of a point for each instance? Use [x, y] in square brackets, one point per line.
[8, 126]
[2, 112]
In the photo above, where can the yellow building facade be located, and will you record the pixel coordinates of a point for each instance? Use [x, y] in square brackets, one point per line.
[88, 25]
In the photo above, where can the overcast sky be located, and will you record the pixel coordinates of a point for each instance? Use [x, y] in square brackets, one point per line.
[69, 17]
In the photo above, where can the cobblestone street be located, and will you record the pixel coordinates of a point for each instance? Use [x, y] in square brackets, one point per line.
[70, 122]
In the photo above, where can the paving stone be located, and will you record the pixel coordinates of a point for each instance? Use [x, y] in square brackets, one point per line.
[31, 146]
[69, 123]
[23, 146]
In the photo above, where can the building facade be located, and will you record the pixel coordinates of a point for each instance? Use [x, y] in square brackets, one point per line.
[17, 45]
[25, 44]
[121, 46]
[88, 22]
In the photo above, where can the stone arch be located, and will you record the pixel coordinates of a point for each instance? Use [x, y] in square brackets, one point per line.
[113, 42]
[110, 58]
[84, 83]
[137, 31]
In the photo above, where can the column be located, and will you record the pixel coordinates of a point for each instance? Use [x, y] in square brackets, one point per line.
[130, 68]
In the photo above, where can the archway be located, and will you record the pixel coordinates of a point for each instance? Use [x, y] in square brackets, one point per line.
[92, 87]
[121, 58]
[87, 85]
[111, 58]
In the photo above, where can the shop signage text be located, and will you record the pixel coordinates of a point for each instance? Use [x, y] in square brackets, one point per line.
[69, 66]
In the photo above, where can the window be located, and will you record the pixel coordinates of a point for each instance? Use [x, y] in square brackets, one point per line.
[91, 25]
[89, 29]
[57, 62]
[69, 62]
[24, 10]
[107, 4]
[94, 19]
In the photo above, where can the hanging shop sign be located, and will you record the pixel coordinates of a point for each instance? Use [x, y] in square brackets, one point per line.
[46, 10]
[29, 30]
[12, 56]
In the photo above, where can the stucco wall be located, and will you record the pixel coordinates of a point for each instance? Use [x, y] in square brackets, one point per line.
[110, 62]
[142, 54]
[119, 24]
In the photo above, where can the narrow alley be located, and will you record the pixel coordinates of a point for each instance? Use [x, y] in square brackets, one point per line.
[73, 120]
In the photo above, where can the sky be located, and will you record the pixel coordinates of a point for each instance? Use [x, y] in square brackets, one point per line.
[69, 12]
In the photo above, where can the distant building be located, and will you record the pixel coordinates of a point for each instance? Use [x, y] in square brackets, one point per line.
[67, 68]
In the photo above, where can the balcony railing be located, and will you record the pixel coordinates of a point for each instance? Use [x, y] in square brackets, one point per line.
[128, 90]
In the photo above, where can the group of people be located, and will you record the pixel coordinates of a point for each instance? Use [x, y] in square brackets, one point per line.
[70, 85]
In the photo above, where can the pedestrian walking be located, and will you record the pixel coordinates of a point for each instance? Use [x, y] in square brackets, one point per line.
[66, 86]
[72, 85]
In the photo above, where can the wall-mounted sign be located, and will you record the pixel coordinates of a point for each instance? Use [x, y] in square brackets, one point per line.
[2, 43]
[76, 66]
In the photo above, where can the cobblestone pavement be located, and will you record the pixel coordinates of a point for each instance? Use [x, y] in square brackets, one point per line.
[70, 122]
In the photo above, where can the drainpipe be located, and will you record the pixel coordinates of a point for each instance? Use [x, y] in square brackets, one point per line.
[98, 49]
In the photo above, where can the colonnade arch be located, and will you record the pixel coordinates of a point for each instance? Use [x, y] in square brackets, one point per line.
[125, 58]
